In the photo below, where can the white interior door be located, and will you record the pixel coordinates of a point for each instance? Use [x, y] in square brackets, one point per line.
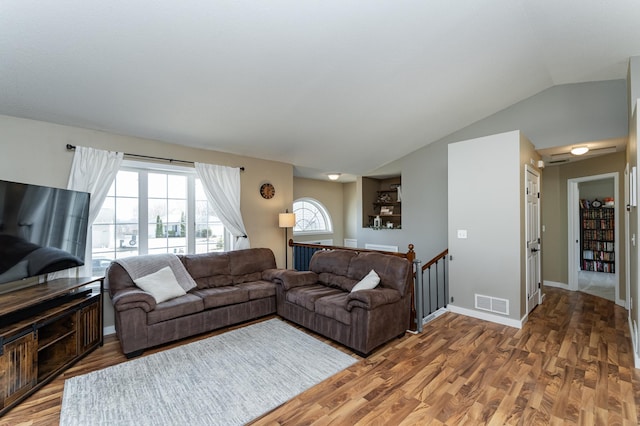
[532, 182]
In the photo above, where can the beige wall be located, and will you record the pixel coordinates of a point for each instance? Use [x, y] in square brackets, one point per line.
[597, 189]
[331, 195]
[34, 152]
[554, 213]
[350, 202]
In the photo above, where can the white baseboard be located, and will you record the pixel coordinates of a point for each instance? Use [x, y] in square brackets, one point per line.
[109, 330]
[634, 343]
[434, 315]
[556, 284]
[485, 316]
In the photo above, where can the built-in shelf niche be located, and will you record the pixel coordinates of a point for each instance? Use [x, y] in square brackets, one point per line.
[382, 198]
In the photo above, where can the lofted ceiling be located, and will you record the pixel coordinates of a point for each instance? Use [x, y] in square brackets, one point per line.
[328, 86]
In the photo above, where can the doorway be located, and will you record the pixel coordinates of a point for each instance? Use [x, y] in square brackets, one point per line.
[532, 229]
[589, 269]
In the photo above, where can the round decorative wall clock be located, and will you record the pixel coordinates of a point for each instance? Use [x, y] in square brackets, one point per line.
[267, 191]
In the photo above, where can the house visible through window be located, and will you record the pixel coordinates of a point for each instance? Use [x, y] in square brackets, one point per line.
[151, 211]
[311, 217]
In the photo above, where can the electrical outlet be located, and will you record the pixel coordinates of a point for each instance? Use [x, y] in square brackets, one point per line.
[462, 233]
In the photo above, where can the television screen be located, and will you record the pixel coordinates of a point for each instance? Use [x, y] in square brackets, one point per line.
[42, 230]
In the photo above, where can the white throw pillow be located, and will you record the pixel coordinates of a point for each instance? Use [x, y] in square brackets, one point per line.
[371, 280]
[162, 285]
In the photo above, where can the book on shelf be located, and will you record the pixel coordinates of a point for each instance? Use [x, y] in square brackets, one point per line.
[386, 210]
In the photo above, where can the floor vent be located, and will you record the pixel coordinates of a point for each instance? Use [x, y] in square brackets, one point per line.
[492, 304]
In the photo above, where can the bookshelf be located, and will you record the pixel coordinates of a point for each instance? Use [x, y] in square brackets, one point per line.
[597, 226]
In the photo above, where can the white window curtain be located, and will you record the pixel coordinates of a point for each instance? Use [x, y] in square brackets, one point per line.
[93, 171]
[222, 186]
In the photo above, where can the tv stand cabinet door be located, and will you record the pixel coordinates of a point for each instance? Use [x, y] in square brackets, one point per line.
[90, 326]
[18, 369]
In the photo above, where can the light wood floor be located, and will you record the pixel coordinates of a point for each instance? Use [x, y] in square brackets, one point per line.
[572, 363]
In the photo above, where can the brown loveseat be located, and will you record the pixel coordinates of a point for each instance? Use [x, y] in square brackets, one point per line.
[232, 287]
[321, 299]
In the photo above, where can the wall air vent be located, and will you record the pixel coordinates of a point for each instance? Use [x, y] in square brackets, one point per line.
[492, 304]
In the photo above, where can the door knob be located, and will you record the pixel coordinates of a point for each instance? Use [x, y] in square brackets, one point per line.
[533, 250]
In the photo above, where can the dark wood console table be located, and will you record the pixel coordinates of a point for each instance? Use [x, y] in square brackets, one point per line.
[43, 330]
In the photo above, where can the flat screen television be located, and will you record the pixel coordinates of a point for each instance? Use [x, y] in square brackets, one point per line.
[42, 230]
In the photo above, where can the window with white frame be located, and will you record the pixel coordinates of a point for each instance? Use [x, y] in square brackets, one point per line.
[155, 210]
[312, 217]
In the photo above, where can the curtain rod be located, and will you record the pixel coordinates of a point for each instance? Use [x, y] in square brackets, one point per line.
[149, 157]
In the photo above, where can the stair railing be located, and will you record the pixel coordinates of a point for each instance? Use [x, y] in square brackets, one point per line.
[435, 285]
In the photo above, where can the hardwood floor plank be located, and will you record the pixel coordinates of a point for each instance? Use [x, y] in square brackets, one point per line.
[571, 363]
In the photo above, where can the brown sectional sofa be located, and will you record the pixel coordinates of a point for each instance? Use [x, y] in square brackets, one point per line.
[238, 286]
[232, 287]
[321, 299]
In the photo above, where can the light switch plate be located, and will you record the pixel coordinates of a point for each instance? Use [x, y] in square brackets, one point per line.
[462, 233]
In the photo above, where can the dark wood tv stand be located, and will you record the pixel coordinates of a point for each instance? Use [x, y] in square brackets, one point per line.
[43, 330]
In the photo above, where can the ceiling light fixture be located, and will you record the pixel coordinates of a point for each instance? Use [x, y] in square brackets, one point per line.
[334, 176]
[579, 150]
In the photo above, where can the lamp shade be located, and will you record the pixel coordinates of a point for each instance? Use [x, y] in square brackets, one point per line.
[286, 220]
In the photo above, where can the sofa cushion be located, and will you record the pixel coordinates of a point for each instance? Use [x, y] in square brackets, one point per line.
[334, 306]
[209, 270]
[395, 272]
[290, 278]
[162, 285]
[247, 265]
[336, 281]
[244, 278]
[174, 308]
[306, 296]
[259, 289]
[332, 261]
[222, 296]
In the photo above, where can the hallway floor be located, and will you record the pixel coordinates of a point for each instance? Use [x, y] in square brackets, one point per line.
[598, 284]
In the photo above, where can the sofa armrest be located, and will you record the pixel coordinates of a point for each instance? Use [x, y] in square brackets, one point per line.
[133, 298]
[272, 274]
[371, 299]
[290, 278]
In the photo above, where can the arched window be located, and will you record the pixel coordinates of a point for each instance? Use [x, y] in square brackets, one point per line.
[311, 217]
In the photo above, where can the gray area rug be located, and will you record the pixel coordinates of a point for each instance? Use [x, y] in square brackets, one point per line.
[229, 379]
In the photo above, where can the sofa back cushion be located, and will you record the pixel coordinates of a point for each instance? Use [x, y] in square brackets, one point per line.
[394, 272]
[247, 265]
[209, 270]
[332, 267]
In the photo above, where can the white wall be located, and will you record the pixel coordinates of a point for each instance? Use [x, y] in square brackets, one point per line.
[634, 254]
[485, 201]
